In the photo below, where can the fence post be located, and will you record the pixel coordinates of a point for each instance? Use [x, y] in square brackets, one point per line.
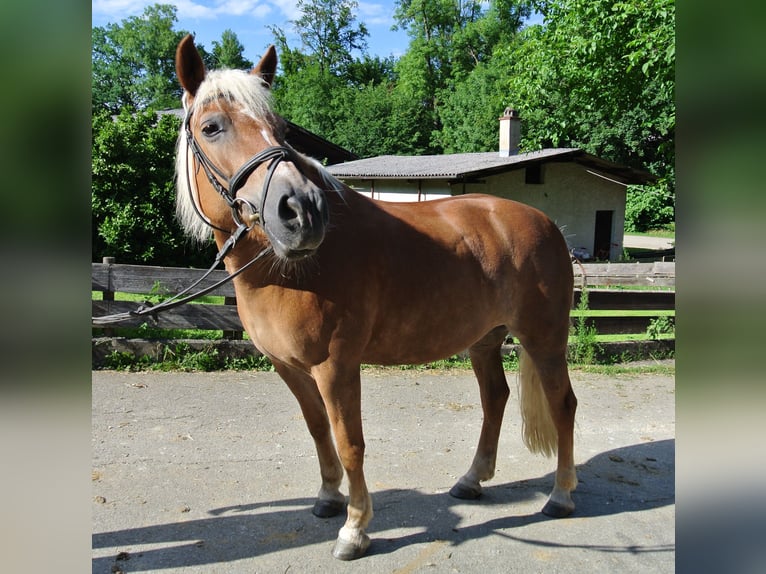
[108, 294]
[233, 335]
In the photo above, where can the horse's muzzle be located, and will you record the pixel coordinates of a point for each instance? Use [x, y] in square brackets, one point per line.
[296, 222]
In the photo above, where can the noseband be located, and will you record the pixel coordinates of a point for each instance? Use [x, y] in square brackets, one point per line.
[273, 154]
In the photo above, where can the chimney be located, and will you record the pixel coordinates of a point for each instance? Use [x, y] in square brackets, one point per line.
[510, 132]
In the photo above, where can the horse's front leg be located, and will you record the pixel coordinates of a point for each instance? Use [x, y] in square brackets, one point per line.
[341, 391]
[330, 500]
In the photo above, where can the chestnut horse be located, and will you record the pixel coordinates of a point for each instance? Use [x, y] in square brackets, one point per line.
[336, 280]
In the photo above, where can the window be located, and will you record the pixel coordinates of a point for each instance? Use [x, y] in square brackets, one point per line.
[533, 174]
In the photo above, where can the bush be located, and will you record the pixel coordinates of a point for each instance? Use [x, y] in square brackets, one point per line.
[649, 207]
[133, 192]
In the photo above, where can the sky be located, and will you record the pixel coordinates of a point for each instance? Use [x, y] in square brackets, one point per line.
[249, 20]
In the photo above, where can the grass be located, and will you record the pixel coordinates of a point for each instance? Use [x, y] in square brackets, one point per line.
[633, 288]
[661, 233]
[146, 331]
[155, 298]
[626, 369]
[184, 359]
[180, 357]
[610, 313]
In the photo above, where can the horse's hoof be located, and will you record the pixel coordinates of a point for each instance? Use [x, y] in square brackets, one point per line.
[327, 508]
[557, 510]
[465, 492]
[345, 550]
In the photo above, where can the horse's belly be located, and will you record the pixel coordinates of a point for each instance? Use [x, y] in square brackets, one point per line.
[418, 346]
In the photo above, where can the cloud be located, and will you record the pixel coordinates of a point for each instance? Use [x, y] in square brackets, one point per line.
[374, 14]
[242, 8]
[113, 10]
[191, 9]
[289, 8]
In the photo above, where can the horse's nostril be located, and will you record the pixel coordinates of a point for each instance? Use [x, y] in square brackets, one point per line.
[289, 209]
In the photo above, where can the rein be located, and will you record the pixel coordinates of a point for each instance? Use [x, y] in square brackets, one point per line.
[274, 155]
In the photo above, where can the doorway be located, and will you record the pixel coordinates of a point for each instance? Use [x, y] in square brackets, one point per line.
[602, 238]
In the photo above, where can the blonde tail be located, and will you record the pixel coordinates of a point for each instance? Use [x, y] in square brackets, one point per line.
[538, 431]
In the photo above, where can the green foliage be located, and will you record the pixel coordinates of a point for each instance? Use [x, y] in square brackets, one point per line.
[327, 30]
[133, 62]
[124, 361]
[133, 191]
[356, 103]
[584, 349]
[228, 53]
[181, 357]
[649, 207]
[448, 43]
[376, 120]
[661, 326]
[470, 111]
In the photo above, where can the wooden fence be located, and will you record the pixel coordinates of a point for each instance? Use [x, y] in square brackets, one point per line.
[643, 286]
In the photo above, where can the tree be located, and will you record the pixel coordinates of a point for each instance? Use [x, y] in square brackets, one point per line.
[133, 62]
[469, 113]
[313, 82]
[327, 30]
[228, 53]
[448, 40]
[376, 119]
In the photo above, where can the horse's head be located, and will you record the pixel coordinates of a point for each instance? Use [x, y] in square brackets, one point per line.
[233, 166]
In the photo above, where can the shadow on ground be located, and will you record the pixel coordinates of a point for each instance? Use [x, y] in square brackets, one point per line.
[629, 479]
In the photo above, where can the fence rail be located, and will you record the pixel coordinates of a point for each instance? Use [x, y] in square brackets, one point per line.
[657, 274]
[111, 278]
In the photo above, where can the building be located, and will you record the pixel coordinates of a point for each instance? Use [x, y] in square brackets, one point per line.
[583, 194]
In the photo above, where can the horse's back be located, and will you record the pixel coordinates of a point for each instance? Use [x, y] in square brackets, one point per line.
[494, 228]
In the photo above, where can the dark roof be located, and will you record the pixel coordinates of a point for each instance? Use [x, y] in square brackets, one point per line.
[303, 141]
[467, 166]
[310, 144]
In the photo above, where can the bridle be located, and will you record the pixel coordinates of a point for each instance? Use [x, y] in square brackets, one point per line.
[272, 154]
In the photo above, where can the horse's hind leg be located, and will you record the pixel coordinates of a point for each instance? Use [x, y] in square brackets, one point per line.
[488, 366]
[549, 372]
[330, 501]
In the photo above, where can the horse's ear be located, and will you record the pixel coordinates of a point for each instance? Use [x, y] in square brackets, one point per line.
[267, 67]
[189, 66]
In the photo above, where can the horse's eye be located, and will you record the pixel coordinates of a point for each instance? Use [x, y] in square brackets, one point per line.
[210, 129]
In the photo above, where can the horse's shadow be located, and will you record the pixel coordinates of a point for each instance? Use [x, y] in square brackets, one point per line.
[627, 479]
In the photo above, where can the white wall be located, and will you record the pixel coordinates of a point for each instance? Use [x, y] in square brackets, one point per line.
[401, 190]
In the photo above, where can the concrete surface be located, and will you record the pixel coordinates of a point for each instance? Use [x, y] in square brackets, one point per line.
[216, 472]
[647, 242]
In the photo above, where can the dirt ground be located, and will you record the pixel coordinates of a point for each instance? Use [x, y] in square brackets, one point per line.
[216, 472]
